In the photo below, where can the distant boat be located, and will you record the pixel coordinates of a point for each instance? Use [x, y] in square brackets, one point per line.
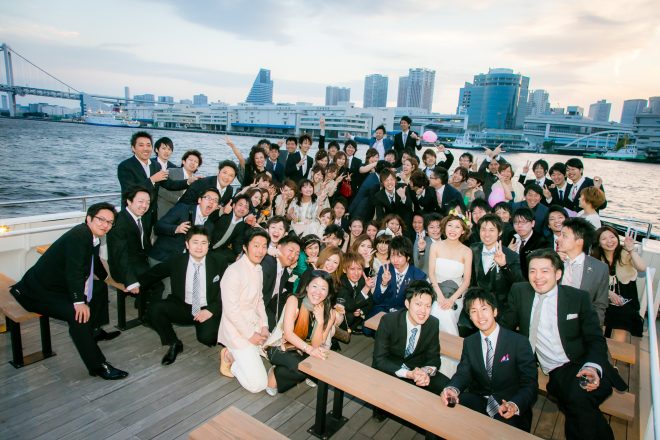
[464, 143]
[629, 154]
[111, 120]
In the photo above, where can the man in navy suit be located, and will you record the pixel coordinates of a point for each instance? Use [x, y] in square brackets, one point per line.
[273, 166]
[574, 171]
[533, 197]
[567, 338]
[140, 171]
[299, 164]
[440, 197]
[378, 141]
[394, 277]
[407, 341]
[497, 373]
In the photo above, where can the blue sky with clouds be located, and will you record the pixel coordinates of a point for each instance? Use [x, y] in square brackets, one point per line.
[580, 50]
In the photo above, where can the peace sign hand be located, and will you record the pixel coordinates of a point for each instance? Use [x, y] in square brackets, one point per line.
[546, 192]
[525, 169]
[387, 276]
[499, 257]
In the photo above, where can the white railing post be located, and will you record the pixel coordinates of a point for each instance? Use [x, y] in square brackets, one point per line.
[654, 367]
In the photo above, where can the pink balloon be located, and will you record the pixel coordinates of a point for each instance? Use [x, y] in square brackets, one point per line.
[496, 196]
[429, 136]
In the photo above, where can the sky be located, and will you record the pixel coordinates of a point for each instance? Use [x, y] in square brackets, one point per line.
[580, 51]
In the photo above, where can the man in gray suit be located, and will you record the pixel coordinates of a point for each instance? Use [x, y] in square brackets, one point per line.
[422, 248]
[580, 270]
[191, 161]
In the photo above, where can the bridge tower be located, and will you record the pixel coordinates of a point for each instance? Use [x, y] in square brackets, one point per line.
[10, 79]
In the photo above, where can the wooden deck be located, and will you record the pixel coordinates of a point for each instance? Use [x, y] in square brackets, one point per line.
[56, 398]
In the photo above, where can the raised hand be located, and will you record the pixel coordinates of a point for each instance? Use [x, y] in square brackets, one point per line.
[598, 182]
[182, 228]
[499, 257]
[322, 123]
[628, 242]
[525, 169]
[546, 192]
[387, 276]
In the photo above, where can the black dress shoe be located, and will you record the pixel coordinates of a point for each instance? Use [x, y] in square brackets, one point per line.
[108, 372]
[170, 356]
[102, 335]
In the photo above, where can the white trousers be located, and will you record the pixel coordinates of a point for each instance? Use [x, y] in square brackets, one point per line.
[249, 369]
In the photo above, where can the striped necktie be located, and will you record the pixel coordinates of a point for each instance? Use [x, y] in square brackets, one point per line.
[492, 406]
[196, 293]
[411, 342]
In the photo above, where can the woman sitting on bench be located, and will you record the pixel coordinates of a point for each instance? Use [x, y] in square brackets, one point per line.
[303, 330]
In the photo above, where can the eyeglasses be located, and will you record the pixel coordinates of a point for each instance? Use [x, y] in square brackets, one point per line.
[211, 199]
[104, 221]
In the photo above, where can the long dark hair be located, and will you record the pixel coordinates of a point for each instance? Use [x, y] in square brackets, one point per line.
[325, 276]
[298, 196]
[598, 252]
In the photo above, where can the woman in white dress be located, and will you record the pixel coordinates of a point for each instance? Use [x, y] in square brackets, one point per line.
[513, 190]
[305, 208]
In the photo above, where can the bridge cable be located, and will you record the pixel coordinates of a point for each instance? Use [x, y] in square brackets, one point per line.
[42, 70]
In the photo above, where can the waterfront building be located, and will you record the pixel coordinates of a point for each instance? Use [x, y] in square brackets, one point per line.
[631, 107]
[654, 104]
[375, 91]
[335, 95]
[166, 99]
[574, 110]
[147, 99]
[416, 89]
[538, 103]
[497, 99]
[600, 111]
[127, 92]
[200, 100]
[5, 102]
[262, 89]
[646, 131]
[185, 101]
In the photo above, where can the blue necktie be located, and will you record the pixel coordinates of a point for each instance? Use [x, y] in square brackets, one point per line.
[411, 342]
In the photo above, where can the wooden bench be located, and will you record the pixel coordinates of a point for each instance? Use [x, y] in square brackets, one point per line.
[403, 400]
[15, 314]
[232, 423]
[122, 324]
[620, 405]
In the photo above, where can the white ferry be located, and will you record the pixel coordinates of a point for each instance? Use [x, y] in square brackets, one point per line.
[113, 119]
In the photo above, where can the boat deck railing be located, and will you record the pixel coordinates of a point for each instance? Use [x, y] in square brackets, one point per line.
[642, 228]
[654, 364]
[83, 199]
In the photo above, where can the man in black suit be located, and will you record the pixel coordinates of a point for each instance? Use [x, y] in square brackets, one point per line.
[540, 169]
[195, 298]
[497, 374]
[430, 157]
[494, 267]
[140, 171]
[407, 342]
[227, 171]
[171, 229]
[489, 169]
[355, 290]
[291, 144]
[440, 197]
[574, 171]
[229, 229]
[390, 200]
[273, 165]
[525, 239]
[353, 165]
[583, 271]
[564, 332]
[59, 285]
[299, 164]
[557, 193]
[277, 272]
[406, 139]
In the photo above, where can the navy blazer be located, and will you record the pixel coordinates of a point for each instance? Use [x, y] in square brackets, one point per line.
[293, 171]
[131, 175]
[391, 298]
[276, 170]
[450, 196]
[540, 214]
[127, 252]
[388, 143]
[514, 376]
[198, 188]
[169, 243]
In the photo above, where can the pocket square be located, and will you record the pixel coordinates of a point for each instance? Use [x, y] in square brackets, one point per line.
[505, 358]
[216, 278]
[571, 316]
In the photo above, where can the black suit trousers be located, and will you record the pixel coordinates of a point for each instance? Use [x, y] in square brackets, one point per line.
[56, 306]
[583, 418]
[286, 370]
[479, 403]
[164, 313]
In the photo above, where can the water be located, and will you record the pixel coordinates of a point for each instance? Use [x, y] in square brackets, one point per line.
[48, 159]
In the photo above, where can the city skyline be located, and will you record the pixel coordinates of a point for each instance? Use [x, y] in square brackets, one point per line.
[579, 52]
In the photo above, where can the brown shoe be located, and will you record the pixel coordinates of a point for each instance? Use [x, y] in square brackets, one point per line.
[225, 365]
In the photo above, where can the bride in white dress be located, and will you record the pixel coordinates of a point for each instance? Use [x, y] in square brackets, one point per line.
[450, 260]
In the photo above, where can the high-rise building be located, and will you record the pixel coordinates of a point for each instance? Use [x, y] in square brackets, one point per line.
[538, 103]
[497, 99]
[375, 91]
[574, 110]
[147, 99]
[200, 100]
[416, 89]
[334, 95]
[262, 89]
[402, 95]
[166, 99]
[630, 108]
[654, 104]
[5, 102]
[185, 101]
[600, 111]
[127, 92]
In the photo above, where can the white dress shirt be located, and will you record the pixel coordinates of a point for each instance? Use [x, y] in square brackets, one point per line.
[573, 271]
[401, 372]
[190, 274]
[493, 340]
[199, 218]
[145, 167]
[549, 350]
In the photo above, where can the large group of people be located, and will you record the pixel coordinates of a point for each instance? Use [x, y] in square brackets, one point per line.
[309, 246]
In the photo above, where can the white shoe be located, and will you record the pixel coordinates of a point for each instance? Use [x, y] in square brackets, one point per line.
[271, 391]
[310, 383]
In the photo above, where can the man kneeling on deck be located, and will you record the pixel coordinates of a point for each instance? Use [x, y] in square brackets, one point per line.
[497, 374]
[408, 342]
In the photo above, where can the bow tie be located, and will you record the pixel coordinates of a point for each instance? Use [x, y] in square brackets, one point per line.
[485, 252]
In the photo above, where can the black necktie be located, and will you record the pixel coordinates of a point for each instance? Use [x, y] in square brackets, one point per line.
[139, 223]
